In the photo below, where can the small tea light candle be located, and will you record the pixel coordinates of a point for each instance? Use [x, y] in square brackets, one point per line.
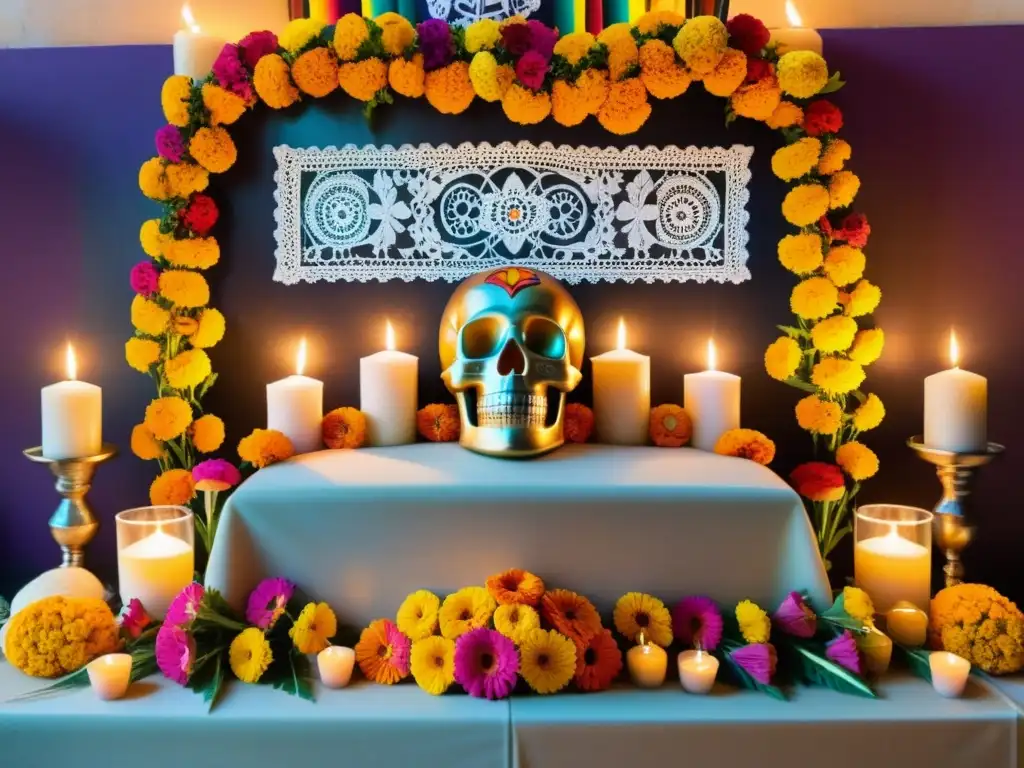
[907, 624]
[110, 675]
[697, 671]
[647, 664]
[335, 665]
[949, 673]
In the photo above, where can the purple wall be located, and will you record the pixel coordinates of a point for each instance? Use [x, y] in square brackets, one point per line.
[934, 140]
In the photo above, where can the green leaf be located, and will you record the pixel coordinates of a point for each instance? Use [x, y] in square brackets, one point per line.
[215, 684]
[739, 676]
[796, 333]
[815, 669]
[79, 679]
[297, 680]
[806, 386]
[834, 84]
[917, 660]
[204, 387]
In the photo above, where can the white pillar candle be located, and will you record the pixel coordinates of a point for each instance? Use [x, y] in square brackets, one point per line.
[72, 414]
[194, 50]
[110, 675]
[388, 394]
[155, 569]
[949, 673]
[796, 37]
[956, 408]
[335, 665]
[697, 671]
[712, 400]
[295, 406]
[622, 394]
[891, 568]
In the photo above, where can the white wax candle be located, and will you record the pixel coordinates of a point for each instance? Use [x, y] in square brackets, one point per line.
[110, 675]
[697, 671]
[956, 408]
[890, 569]
[949, 673]
[72, 414]
[796, 39]
[155, 569]
[622, 394]
[712, 400]
[335, 665]
[194, 51]
[295, 406]
[388, 395]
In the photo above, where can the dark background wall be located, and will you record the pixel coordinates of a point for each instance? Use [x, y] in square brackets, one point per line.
[934, 123]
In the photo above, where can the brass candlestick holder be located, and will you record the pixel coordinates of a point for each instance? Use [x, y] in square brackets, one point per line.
[73, 524]
[952, 530]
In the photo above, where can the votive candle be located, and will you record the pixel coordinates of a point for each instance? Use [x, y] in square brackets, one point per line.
[110, 675]
[949, 673]
[335, 664]
[648, 664]
[697, 671]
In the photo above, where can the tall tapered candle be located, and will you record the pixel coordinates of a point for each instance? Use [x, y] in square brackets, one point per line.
[295, 406]
[712, 400]
[388, 394]
[622, 394]
[956, 407]
[194, 50]
[72, 413]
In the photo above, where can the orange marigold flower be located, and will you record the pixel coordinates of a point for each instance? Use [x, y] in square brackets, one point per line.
[213, 149]
[225, 107]
[144, 444]
[759, 100]
[593, 85]
[525, 107]
[407, 77]
[344, 428]
[746, 444]
[363, 79]
[569, 104]
[272, 80]
[571, 614]
[264, 447]
[439, 423]
[787, 114]
[598, 662]
[663, 77]
[623, 57]
[316, 72]
[516, 587]
[728, 75]
[449, 89]
[671, 426]
[173, 488]
[579, 423]
[207, 433]
[383, 652]
[626, 108]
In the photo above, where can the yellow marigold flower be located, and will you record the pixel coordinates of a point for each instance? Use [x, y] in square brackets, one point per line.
[397, 34]
[614, 32]
[842, 189]
[316, 72]
[185, 178]
[623, 56]
[58, 635]
[417, 615]
[862, 300]
[192, 252]
[144, 445]
[805, 204]
[802, 73]
[483, 73]
[701, 43]
[469, 608]
[626, 109]
[755, 626]
[858, 461]
[213, 149]
[174, 98]
[272, 80]
[978, 623]
[857, 603]
[814, 298]
[363, 79]
[514, 620]
[432, 663]
[349, 33]
[250, 655]
[786, 115]
[573, 47]
[209, 330]
[225, 107]
[593, 85]
[174, 487]
[819, 416]
[149, 317]
[836, 153]
[183, 324]
[845, 264]
[728, 75]
[661, 75]
[187, 369]
[796, 160]
[168, 417]
[746, 444]
[523, 106]
[637, 612]
[407, 77]
[184, 288]
[263, 447]
[484, 34]
[207, 433]
[801, 253]
[651, 23]
[867, 346]
[782, 358]
[298, 33]
[449, 89]
[152, 180]
[834, 334]
[314, 628]
[141, 353]
[547, 660]
[152, 239]
[869, 414]
[568, 104]
[836, 376]
[758, 101]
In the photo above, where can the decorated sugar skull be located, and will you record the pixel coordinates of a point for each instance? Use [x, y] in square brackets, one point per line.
[511, 345]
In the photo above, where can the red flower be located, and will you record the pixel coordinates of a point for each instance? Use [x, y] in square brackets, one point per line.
[826, 227]
[516, 38]
[579, 423]
[855, 230]
[748, 34]
[201, 214]
[822, 116]
[758, 70]
[531, 69]
[819, 481]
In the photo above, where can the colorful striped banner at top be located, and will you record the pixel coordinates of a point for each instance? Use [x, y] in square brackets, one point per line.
[615, 11]
[571, 16]
[407, 8]
[637, 8]
[327, 11]
[595, 16]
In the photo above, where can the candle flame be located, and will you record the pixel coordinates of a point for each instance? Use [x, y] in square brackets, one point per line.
[389, 337]
[300, 357]
[621, 336]
[70, 363]
[954, 350]
[793, 15]
[189, 19]
[712, 357]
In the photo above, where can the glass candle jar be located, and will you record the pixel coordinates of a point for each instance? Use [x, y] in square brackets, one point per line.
[892, 556]
[155, 555]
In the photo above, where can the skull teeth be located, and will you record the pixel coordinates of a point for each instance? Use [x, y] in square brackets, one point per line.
[511, 409]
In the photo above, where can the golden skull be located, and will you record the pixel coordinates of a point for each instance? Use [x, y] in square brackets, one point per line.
[511, 344]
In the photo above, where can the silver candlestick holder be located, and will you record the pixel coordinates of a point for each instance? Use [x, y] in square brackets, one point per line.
[952, 529]
[73, 525]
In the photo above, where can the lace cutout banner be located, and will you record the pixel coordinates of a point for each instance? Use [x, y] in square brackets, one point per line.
[467, 11]
[578, 213]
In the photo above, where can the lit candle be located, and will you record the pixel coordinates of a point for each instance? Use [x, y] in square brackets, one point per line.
[796, 37]
[647, 664]
[949, 673]
[155, 569]
[907, 624]
[955, 407]
[72, 416]
[711, 398]
[110, 675]
[335, 665]
[697, 671]
[388, 394]
[891, 568]
[622, 394]
[194, 50]
[295, 406]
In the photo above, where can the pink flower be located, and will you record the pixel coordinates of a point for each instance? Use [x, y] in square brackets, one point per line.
[401, 647]
[185, 607]
[169, 144]
[843, 651]
[134, 618]
[256, 45]
[698, 622]
[542, 38]
[486, 663]
[758, 660]
[175, 653]
[794, 617]
[531, 69]
[268, 602]
[230, 72]
[215, 475]
[144, 278]
[516, 39]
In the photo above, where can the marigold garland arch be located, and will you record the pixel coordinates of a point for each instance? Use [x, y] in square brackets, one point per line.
[534, 74]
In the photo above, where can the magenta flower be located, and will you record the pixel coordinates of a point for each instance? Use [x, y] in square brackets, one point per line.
[758, 660]
[436, 43]
[144, 278]
[215, 475]
[230, 72]
[175, 653]
[256, 45]
[169, 144]
[794, 617]
[531, 69]
[134, 618]
[486, 663]
[401, 647]
[843, 651]
[698, 622]
[268, 602]
[542, 38]
[185, 607]
[516, 39]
